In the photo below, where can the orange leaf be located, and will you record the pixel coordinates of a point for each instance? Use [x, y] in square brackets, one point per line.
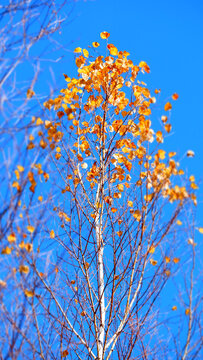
[167, 106]
[24, 269]
[187, 311]
[52, 234]
[175, 96]
[159, 137]
[119, 233]
[153, 262]
[64, 353]
[6, 251]
[30, 94]
[168, 127]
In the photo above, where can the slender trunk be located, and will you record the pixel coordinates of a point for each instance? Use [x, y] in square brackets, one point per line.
[100, 288]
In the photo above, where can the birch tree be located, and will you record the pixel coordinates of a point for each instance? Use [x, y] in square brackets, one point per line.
[93, 275]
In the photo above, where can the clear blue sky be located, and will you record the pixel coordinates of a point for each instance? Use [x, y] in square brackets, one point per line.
[168, 36]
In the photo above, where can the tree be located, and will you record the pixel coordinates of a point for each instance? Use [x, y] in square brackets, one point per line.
[29, 43]
[93, 272]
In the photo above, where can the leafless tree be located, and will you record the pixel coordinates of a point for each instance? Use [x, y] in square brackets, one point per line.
[28, 44]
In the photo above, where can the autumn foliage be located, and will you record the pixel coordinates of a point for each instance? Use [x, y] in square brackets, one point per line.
[114, 200]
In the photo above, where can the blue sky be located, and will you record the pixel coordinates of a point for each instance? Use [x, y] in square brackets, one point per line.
[168, 36]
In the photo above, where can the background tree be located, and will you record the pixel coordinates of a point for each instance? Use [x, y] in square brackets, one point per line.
[93, 272]
[29, 44]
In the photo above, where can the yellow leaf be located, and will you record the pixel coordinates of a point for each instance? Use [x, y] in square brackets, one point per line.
[16, 185]
[120, 187]
[29, 293]
[167, 259]
[194, 186]
[78, 50]
[144, 65]
[20, 168]
[52, 234]
[104, 35]
[113, 50]
[171, 154]
[30, 228]
[86, 53]
[201, 230]
[161, 154]
[178, 222]
[95, 44]
[63, 215]
[167, 106]
[39, 122]
[113, 210]
[149, 197]
[40, 198]
[176, 260]
[6, 251]
[130, 203]
[23, 269]
[152, 250]
[174, 308]
[11, 238]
